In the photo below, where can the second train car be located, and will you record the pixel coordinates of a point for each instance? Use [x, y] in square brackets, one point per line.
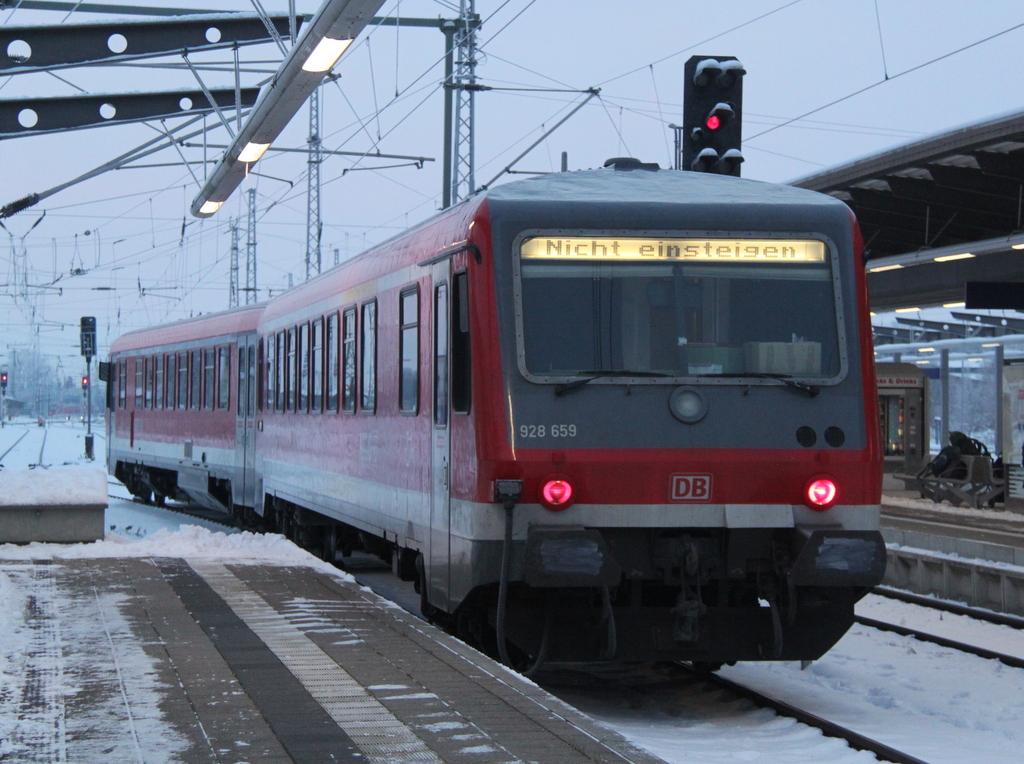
[618, 414]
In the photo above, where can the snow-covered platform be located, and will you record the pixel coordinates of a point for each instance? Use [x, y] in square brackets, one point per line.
[214, 659]
[52, 505]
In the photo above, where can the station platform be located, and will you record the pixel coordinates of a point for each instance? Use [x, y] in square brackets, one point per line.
[169, 659]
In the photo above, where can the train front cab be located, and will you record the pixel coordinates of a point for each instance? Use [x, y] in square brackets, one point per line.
[682, 457]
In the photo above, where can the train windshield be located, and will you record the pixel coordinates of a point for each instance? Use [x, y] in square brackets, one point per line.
[679, 307]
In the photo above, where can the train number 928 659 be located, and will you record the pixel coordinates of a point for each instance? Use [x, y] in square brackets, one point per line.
[545, 431]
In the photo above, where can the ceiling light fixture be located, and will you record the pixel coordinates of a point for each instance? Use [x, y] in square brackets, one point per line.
[252, 152]
[325, 55]
[332, 30]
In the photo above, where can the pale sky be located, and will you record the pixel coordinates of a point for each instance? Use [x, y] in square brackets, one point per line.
[126, 228]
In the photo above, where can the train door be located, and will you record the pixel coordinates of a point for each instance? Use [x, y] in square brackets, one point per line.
[245, 430]
[440, 447]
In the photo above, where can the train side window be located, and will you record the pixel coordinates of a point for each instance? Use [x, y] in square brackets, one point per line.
[303, 397]
[240, 392]
[147, 364]
[223, 378]
[316, 368]
[369, 357]
[209, 380]
[196, 391]
[348, 361]
[271, 372]
[260, 373]
[250, 397]
[289, 377]
[138, 382]
[409, 351]
[461, 373]
[441, 355]
[122, 383]
[158, 382]
[279, 372]
[182, 380]
[172, 378]
[331, 361]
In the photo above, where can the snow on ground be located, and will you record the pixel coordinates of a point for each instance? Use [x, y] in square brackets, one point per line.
[935, 703]
[932, 702]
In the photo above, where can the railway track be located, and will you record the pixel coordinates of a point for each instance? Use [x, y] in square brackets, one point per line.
[13, 445]
[990, 616]
[639, 681]
[854, 739]
[42, 448]
[1000, 619]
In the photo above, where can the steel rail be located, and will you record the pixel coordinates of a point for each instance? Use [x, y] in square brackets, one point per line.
[831, 729]
[1001, 619]
[14, 444]
[42, 447]
[981, 652]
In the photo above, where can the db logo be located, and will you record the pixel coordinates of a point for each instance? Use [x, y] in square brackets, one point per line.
[691, 488]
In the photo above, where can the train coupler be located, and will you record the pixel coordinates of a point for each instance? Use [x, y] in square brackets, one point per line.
[686, 622]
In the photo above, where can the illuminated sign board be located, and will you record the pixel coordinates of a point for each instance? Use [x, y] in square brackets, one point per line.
[696, 250]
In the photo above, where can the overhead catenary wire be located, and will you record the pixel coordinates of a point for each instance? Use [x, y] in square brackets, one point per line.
[873, 85]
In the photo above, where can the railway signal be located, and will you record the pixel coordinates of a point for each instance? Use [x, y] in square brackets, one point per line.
[712, 115]
[88, 340]
[88, 336]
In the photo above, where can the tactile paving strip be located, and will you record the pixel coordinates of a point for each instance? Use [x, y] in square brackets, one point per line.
[376, 731]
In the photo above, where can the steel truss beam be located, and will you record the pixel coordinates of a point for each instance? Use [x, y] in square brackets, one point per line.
[39, 48]
[123, 10]
[47, 115]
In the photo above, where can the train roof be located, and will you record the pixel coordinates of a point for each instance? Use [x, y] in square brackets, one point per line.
[653, 187]
[224, 323]
[601, 186]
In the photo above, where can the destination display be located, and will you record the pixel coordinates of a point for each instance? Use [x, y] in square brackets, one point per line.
[697, 250]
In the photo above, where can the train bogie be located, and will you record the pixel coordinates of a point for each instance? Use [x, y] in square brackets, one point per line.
[602, 415]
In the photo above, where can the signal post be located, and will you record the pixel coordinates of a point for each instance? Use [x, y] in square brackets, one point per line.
[88, 341]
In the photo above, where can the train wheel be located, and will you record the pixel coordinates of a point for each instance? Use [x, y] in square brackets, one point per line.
[329, 544]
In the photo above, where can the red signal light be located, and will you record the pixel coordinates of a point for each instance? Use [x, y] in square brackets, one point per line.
[713, 122]
[557, 494]
[821, 493]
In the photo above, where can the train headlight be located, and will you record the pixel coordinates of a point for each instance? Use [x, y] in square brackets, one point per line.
[821, 493]
[687, 404]
[557, 494]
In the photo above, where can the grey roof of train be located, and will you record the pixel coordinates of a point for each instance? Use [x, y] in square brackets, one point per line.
[652, 187]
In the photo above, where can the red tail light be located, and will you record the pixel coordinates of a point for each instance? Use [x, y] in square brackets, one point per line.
[557, 494]
[821, 493]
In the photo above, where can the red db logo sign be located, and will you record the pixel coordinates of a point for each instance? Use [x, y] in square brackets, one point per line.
[691, 488]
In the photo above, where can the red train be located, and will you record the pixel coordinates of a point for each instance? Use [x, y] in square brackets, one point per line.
[614, 414]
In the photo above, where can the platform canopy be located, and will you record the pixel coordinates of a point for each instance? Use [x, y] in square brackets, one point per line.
[938, 212]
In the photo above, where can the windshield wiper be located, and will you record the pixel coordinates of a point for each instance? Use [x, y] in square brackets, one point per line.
[603, 374]
[811, 390]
